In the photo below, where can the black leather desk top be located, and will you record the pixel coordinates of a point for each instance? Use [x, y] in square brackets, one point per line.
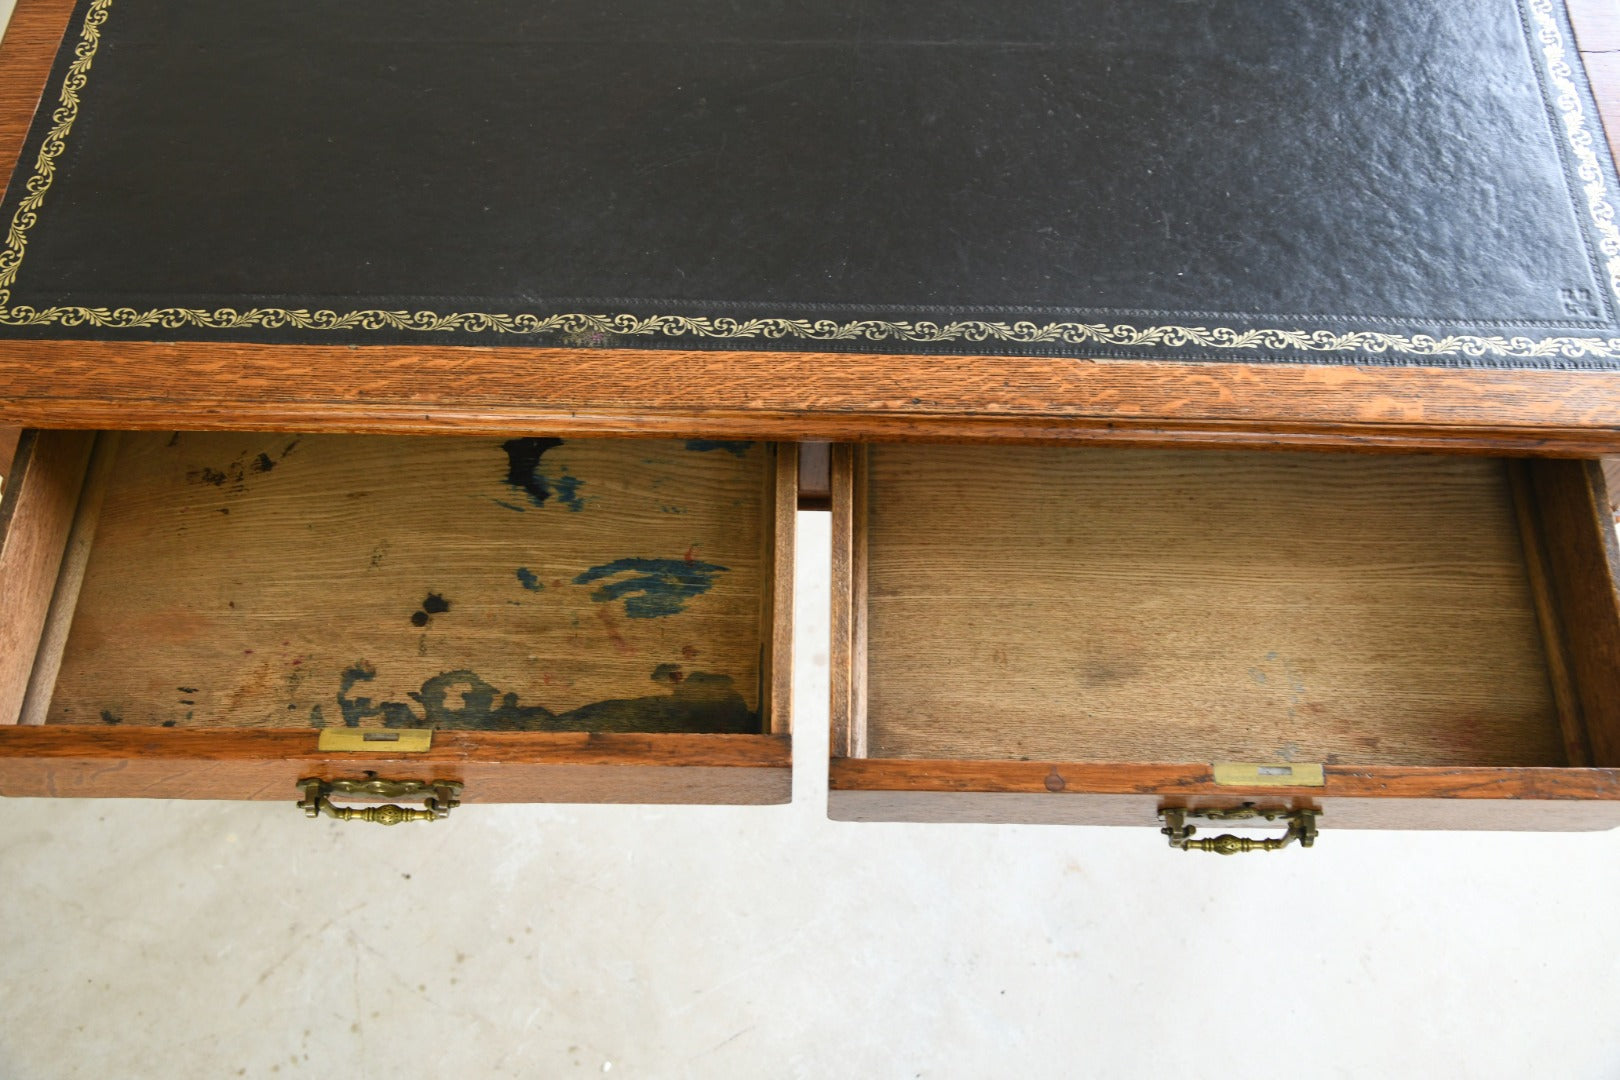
[1354, 181]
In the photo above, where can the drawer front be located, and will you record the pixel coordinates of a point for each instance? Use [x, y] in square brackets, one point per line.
[551, 611]
[1068, 635]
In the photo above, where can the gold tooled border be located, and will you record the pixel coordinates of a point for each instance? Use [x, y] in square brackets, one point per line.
[605, 327]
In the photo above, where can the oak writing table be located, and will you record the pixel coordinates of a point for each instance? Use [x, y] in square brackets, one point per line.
[451, 362]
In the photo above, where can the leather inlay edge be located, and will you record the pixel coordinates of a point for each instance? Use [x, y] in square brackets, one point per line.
[1567, 99]
[67, 111]
[601, 328]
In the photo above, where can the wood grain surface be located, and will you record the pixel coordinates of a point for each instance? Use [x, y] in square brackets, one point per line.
[793, 396]
[1123, 605]
[1359, 797]
[1543, 573]
[847, 657]
[9, 437]
[74, 761]
[26, 53]
[532, 584]
[1572, 502]
[776, 618]
[70, 578]
[36, 516]
[1597, 28]
[784, 396]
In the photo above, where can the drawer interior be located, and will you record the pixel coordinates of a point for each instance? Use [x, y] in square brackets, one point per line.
[1151, 606]
[526, 584]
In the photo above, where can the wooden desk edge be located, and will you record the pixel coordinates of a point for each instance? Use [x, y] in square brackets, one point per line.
[794, 396]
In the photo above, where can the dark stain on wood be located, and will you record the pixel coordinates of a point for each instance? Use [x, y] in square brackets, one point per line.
[528, 580]
[736, 449]
[433, 605]
[462, 700]
[109, 717]
[236, 474]
[524, 473]
[653, 587]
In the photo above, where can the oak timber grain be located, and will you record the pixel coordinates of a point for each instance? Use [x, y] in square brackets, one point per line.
[1597, 26]
[1129, 605]
[1583, 558]
[776, 620]
[1194, 784]
[1554, 639]
[1597, 35]
[1375, 797]
[276, 581]
[69, 579]
[796, 396]
[494, 766]
[1082, 808]
[9, 436]
[36, 514]
[1604, 70]
[848, 619]
[26, 54]
[1611, 477]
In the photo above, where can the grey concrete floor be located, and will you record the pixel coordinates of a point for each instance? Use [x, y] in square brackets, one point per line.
[179, 940]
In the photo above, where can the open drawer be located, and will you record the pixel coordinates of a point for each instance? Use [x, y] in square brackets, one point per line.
[1101, 636]
[227, 615]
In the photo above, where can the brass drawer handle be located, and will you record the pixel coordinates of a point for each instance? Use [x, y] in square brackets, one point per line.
[1301, 827]
[438, 797]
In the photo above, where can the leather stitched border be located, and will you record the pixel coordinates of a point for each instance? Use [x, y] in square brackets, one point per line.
[596, 328]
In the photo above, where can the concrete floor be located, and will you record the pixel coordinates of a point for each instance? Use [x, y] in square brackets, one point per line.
[212, 940]
[181, 940]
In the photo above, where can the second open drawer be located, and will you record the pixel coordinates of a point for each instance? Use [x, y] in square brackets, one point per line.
[1049, 634]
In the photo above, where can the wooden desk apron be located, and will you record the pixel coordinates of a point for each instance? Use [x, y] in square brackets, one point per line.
[1385, 222]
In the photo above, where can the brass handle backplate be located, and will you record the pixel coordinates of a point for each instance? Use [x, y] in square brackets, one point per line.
[438, 797]
[1301, 827]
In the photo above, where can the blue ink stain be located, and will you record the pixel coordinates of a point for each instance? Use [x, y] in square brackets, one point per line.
[461, 700]
[657, 586]
[510, 506]
[736, 449]
[523, 472]
[529, 580]
[568, 492]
